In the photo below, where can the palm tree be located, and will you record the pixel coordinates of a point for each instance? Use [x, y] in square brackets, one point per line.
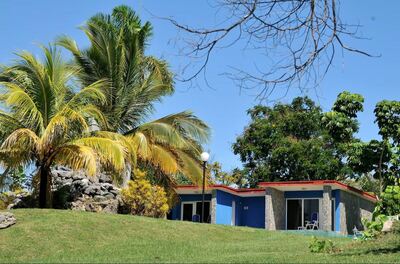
[45, 122]
[170, 144]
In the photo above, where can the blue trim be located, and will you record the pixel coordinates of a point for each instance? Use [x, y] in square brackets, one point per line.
[336, 194]
[303, 194]
[194, 197]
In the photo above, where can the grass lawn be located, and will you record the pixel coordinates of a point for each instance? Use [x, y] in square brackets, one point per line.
[68, 236]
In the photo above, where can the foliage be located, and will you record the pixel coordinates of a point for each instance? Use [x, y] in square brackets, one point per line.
[321, 246]
[389, 203]
[7, 198]
[288, 142]
[136, 81]
[235, 177]
[144, 199]
[387, 115]
[13, 178]
[47, 122]
[364, 182]
[373, 228]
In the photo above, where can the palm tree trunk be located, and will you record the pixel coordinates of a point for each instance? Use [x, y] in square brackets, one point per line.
[44, 188]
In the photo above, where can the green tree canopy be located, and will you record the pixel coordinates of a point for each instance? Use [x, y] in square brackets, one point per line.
[288, 142]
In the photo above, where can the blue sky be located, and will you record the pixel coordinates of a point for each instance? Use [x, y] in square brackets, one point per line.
[25, 23]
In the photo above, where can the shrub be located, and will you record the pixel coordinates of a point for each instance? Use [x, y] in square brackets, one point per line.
[321, 246]
[7, 198]
[373, 228]
[390, 201]
[144, 199]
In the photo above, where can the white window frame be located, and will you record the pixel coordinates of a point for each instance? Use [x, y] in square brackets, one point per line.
[193, 208]
[334, 214]
[302, 209]
[194, 203]
[233, 216]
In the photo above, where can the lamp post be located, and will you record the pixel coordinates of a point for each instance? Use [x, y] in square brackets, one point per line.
[204, 157]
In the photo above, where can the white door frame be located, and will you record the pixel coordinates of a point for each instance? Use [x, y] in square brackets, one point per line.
[193, 208]
[233, 217]
[302, 208]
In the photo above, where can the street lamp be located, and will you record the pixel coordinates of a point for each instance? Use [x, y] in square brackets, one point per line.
[204, 157]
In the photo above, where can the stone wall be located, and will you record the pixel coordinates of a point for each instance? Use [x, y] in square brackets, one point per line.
[352, 209]
[274, 209]
[325, 209]
[73, 190]
[213, 207]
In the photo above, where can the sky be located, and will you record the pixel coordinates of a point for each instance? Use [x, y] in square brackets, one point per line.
[25, 23]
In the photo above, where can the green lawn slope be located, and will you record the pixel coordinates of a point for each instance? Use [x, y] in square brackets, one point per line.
[68, 236]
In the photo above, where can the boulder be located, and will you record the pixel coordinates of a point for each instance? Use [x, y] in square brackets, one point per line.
[95, 205]
[388, 226]
[7, 219]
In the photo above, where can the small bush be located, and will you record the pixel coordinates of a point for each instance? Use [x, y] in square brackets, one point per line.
[7, 198]
[390, 201]
[144, 199]
[373, 228]
[321, 246]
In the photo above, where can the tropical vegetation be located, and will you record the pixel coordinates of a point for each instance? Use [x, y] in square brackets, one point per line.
[298, 141]
[137, 81]
[48, 123]
[142, 198]
[91, 114]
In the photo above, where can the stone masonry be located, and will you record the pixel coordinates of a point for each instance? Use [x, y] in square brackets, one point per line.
[274, 209]
[213, 207]
[325, 209]
[352, 209]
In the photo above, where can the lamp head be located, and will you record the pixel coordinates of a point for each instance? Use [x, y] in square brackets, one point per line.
[204, 156]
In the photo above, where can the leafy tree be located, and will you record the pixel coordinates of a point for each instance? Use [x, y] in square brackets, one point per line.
[341, 122]
[387, 115]
[390, 201]
[13, 179]
[47, 123]
[142, 198]
[288, 142]
[171, 144]
[217, 175]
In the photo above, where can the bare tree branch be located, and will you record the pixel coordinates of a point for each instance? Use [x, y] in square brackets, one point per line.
[301, 35]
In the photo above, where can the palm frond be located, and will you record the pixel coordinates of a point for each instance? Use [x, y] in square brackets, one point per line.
[110, 152]
[76, 157]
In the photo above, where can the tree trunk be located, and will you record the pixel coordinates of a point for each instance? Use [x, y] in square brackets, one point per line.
[380, 169]
[45, 188]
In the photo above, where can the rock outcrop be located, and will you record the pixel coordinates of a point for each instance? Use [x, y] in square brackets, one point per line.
[73, 190]
[7, 219]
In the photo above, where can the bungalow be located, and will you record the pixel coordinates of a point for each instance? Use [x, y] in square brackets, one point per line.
[324, 204]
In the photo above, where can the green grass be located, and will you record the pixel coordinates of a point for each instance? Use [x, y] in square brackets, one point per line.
[68, 236]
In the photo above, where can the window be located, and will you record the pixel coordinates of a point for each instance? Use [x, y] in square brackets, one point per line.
[190, 209]
[300, 211]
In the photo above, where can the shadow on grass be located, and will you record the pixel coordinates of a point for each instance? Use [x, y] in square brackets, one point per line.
[389, 244]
